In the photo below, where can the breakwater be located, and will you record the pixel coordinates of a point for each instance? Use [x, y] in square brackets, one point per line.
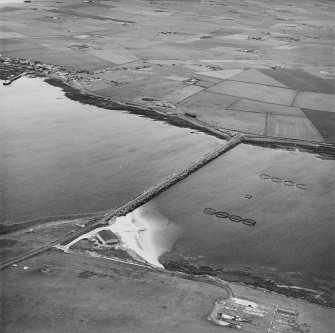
[160, 187]
[173, 179]
[135, 202]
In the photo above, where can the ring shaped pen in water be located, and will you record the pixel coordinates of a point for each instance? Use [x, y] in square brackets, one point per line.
[222, 215]
[288, 183]
[235, 218]
[276, 179]
[209, 211]
[249, 222]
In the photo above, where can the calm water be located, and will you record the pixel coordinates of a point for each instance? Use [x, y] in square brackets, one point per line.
[61, 157]
[8, 2]
[294, 229]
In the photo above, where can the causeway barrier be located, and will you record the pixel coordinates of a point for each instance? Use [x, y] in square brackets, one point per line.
[135, 202]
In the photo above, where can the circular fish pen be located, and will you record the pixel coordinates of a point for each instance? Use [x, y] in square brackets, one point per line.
[235, 218]
[249, 222]
[288, 183]
[209, 211]
[276, 180]
[302, 186]
[222, 215]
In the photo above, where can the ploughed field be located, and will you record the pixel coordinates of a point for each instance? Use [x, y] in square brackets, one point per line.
[259, 210]
[260, 67]
[257, 215]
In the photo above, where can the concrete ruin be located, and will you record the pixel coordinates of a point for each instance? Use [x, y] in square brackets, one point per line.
[253, 317]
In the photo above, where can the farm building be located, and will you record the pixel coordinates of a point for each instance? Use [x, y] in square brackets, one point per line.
[107, 237]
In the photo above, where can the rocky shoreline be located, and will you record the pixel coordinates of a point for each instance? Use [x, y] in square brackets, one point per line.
[249, 278]
[67, 78]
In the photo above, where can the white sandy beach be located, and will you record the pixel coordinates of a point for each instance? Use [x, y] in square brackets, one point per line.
[156, 235]
[143, 233]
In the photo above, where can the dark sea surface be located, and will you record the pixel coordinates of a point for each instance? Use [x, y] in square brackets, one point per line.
[61, 157]
[294, 230]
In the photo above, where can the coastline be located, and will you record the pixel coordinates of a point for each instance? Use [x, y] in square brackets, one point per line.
[144, 92]
[147, 252]
[68, 80]
[54, 75]
[255, 279]
[140, 233]
[8, 227]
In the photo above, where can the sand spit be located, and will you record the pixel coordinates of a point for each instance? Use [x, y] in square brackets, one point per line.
[144, 233]
[157, 234]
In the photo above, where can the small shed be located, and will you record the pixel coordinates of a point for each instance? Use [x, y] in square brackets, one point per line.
[107, 237]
